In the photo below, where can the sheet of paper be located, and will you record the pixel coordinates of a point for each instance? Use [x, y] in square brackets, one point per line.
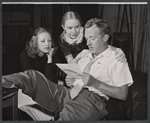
[71, 70]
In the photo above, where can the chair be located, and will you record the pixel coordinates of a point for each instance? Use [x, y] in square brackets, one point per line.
[9, 103]
[120, 110]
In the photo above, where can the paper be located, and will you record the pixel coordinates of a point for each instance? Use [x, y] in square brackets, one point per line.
[71, 70]
[75, 91]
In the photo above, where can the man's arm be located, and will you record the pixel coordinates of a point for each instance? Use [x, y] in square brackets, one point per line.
[111, 91]
[119, 75]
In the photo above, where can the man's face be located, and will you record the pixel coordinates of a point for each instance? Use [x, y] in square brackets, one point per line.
[94, 39]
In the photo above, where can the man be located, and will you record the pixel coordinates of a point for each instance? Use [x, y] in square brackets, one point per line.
[106, 77]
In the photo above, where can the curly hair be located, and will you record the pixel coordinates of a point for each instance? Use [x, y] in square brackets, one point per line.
[32, 45]
[100, 23]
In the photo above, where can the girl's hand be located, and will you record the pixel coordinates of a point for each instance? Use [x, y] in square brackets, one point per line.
[120, 56]
[49, 55]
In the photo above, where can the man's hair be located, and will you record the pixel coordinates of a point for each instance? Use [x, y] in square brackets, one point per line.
[100, 23]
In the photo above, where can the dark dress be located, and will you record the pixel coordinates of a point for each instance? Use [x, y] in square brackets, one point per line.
[40, 64]
[74, 49]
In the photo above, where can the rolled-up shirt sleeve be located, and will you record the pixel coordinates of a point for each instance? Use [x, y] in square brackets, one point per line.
[121, 74]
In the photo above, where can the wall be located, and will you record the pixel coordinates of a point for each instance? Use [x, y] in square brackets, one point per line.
[16, 31]
[139, 30]
[43, 16]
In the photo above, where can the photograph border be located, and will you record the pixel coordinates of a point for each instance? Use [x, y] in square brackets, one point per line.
[89, 2]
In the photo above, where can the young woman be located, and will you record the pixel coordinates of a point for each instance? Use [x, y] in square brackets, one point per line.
[72, 39]
[39, 54]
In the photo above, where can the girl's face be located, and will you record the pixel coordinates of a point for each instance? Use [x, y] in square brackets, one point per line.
[72, 27]
[44, 42]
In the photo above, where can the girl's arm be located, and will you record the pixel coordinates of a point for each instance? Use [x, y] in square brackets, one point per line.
[69, 58]
[120, 55]
[50, 67]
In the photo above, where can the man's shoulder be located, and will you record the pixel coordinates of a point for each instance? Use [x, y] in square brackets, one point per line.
[84, 52]
[110, 53]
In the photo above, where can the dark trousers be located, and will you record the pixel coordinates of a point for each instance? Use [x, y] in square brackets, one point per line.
[86, 106]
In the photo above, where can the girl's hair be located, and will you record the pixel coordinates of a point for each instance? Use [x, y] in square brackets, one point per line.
[70, 15]
[32, 45]
[100, 23]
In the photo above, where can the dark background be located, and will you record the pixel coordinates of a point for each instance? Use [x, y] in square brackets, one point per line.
[16, 32]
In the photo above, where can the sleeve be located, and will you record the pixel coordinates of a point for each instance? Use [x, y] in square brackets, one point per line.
[121, 74]
[50, 72]
[26, 65]
[65, 48]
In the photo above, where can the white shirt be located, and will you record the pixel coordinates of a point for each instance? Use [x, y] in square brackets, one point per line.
[106, 68]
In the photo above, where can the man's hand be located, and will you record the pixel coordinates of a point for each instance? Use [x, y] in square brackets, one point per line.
[86, 78]
[69, 81]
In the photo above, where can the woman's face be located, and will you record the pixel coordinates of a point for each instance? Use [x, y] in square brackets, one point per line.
[44, 42]
[72, 27]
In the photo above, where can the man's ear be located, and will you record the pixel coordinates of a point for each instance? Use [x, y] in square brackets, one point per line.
[106, 37]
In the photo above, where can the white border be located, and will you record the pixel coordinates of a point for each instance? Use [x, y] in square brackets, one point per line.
[74, 2]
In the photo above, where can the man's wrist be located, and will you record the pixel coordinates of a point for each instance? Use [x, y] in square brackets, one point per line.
[94, 83]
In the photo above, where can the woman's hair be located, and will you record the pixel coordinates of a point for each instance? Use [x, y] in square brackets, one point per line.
[70, 15]
[32, 45]
[100, 23]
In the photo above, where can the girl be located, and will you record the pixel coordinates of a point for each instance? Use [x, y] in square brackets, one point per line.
[39, 54]
[72, 40]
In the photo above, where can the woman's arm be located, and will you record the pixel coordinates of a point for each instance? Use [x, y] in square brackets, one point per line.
[69, 58]
[65, 48]
[50, 67]
[50, 72]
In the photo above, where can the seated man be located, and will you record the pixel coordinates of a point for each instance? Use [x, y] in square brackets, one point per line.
[103, 77]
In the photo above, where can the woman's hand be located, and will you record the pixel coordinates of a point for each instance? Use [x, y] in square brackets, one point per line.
[120, 56]
[69, 81]
[49, 55]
